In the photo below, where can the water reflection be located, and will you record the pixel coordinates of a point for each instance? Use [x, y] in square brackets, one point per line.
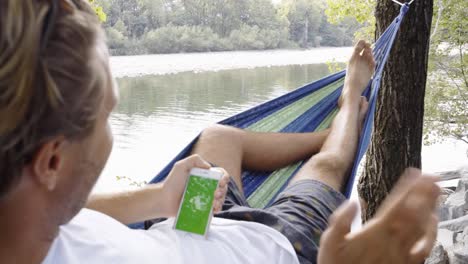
[158, 115]
[188, 93]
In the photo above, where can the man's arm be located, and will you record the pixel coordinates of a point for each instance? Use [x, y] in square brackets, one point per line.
[131, 206]
[155, 200]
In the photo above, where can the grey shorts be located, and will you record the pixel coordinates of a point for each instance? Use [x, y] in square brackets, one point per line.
[300, 213]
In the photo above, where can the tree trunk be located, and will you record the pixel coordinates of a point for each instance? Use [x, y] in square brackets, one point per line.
[398, 124]
[305, 38]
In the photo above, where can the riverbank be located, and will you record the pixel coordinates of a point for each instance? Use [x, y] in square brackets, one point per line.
[160, 64]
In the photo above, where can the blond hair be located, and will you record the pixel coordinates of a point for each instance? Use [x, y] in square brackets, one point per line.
[44, 92]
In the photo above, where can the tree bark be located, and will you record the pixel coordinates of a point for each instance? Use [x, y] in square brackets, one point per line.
[305, 38]
[398, 124]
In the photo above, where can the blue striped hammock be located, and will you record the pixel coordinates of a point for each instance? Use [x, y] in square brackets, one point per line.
[309, 108]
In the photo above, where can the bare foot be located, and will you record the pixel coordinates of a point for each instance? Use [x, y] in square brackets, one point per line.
[403, 231]
[359, 72]
[363, 107]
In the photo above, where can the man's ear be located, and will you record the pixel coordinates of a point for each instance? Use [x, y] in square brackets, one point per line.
[47, 162]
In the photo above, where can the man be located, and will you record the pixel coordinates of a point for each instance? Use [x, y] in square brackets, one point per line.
[56, 96]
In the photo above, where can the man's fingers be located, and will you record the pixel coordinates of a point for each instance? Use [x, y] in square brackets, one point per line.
[403, 185]
[223, 183]
[339, 226]
[409, 213]
[193, 161]
[221, 191]
[225, 178]
[423, 247]
[422, 199]
[412, 182]
[197, 162]
[217, 206]
[340, 222]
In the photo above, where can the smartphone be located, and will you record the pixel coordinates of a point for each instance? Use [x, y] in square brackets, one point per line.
[196, 207]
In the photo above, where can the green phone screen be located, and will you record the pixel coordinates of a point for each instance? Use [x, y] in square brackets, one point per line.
[196, 206]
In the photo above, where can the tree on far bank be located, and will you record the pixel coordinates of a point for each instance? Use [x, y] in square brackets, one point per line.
[447, 104]
[169, 26]
[304, 19]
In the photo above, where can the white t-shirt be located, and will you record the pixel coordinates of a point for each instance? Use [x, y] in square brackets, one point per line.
[92, 237]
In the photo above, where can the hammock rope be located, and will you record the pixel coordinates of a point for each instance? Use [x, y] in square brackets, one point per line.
[309, 108]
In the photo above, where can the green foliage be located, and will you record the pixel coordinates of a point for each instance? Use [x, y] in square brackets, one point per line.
[446, 107]
[362, 11]
[338, 35]
[99, 11]
[334, 66]
[163, 26]
[174, 39]
[254, 38]
[446, 102]
[115, 39]
[304, 18]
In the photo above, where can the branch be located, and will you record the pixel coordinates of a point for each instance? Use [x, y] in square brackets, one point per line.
[445, 121]
[461, 137]
[444, 99]
[439, 14]
[444, 68]
[461, 64]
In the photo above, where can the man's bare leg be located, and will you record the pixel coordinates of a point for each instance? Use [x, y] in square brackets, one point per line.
[332, 164]
[235, 149]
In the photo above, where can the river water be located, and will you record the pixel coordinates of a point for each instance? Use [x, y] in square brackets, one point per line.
[166, 100]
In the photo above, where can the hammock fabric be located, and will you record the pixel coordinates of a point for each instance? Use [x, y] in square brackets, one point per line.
[309, 108]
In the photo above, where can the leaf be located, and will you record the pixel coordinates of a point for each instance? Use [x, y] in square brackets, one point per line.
[98, 10]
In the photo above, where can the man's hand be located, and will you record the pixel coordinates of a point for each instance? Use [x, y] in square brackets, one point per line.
[174, 185]
[155, 200]
[403, 231]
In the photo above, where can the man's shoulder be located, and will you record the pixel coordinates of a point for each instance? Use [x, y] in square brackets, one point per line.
[98, 238]
[92, 218]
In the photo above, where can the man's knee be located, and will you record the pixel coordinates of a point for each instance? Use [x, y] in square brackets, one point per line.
[216, 134]
[329, 164]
